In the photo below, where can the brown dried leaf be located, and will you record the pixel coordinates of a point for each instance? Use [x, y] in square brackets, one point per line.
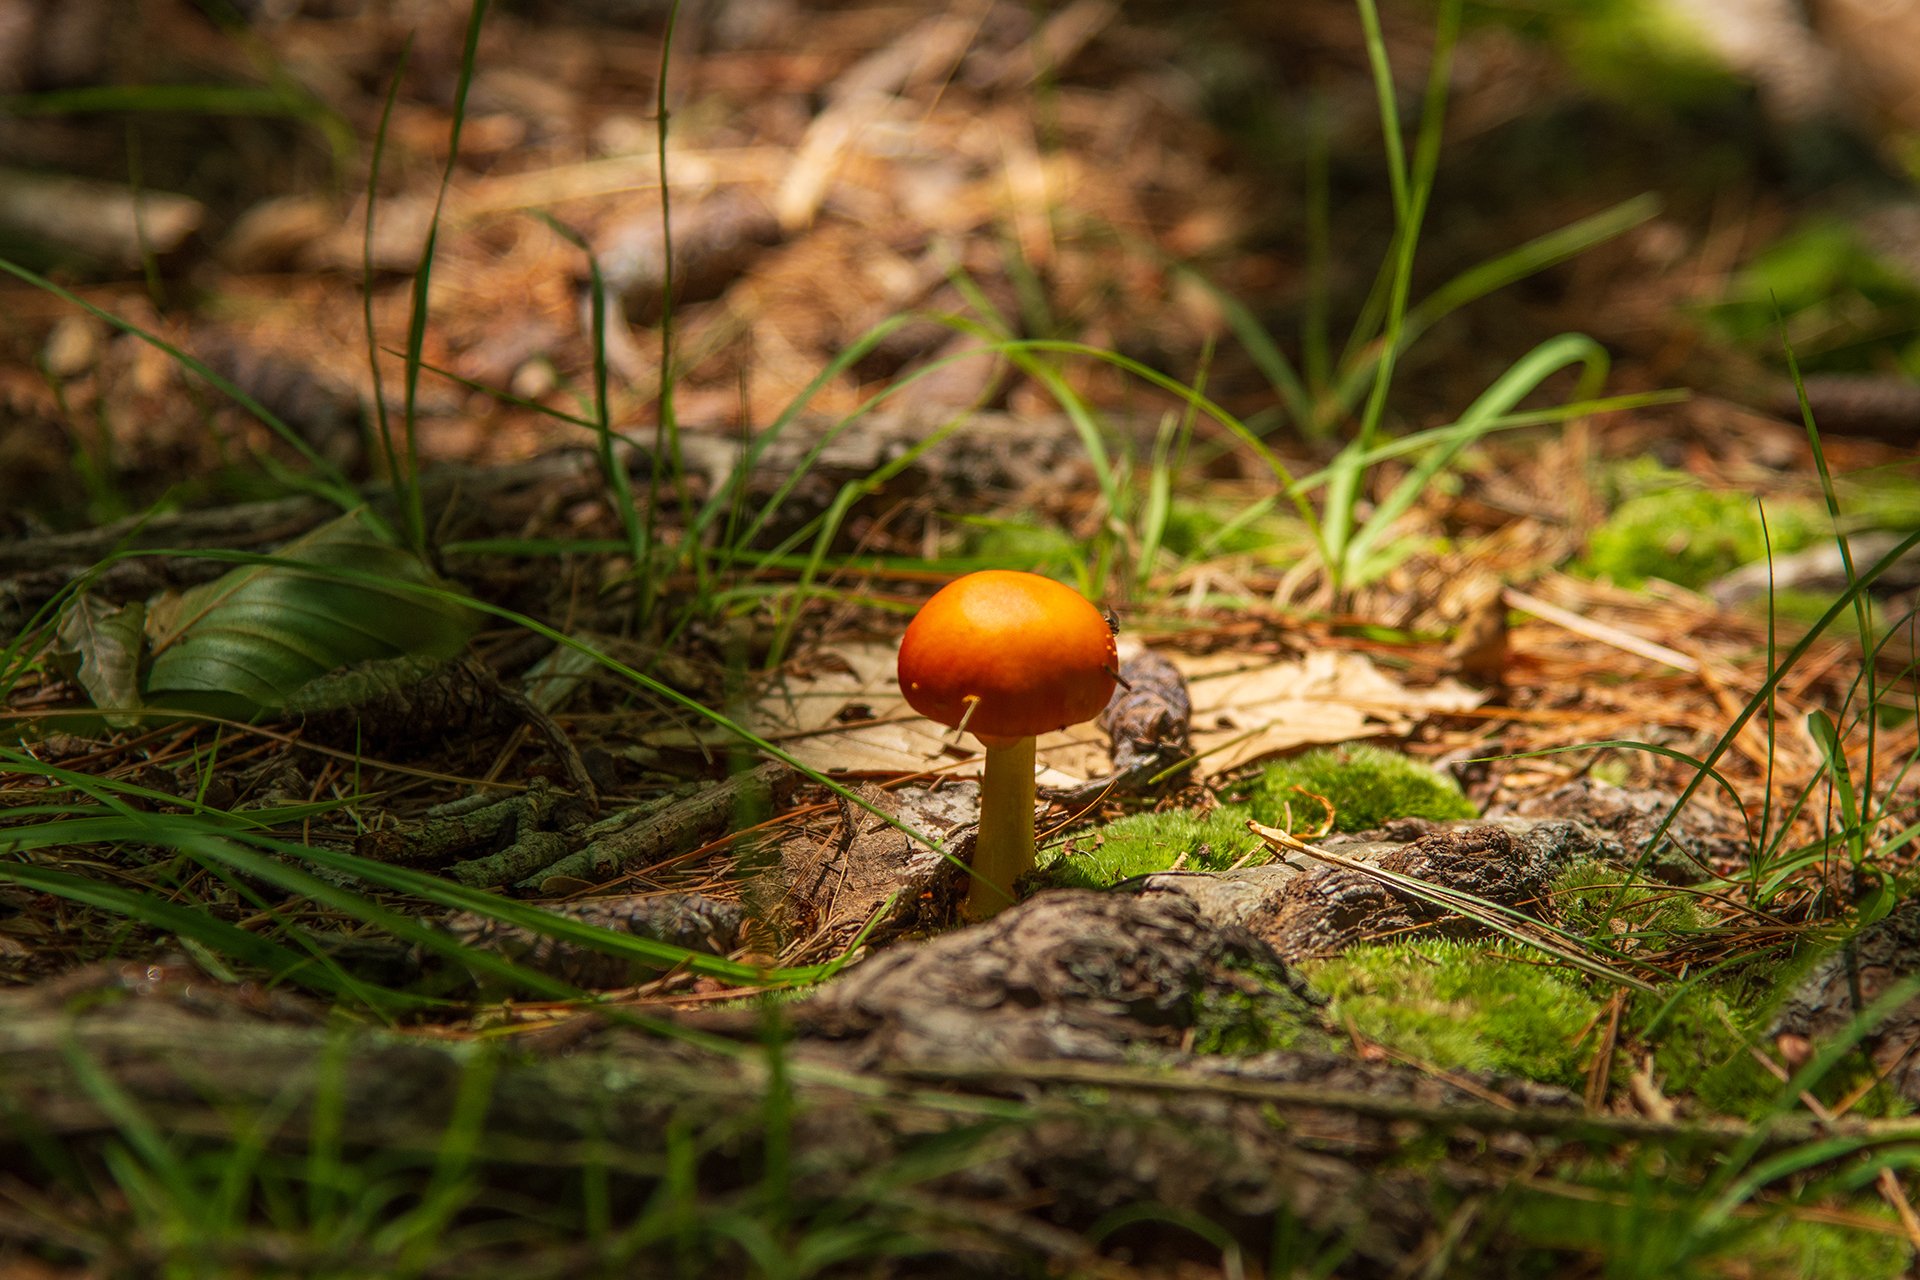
[847, 715]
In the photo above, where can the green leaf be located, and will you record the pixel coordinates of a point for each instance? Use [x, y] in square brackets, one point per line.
[108, 642]
[248, 641]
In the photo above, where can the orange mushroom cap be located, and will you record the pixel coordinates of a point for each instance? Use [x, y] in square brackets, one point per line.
[1034, 655]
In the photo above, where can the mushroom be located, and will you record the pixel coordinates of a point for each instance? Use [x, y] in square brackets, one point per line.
[1006, 656]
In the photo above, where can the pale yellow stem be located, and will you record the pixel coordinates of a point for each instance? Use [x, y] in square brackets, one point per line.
[1005, 849]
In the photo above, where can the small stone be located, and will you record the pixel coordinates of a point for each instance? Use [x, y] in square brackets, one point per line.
[73, 347]
[534, 380]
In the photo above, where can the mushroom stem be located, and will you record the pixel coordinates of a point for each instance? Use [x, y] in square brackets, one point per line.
[1005, 847]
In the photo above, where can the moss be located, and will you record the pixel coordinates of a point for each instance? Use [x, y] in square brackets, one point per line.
[1850, 308]
[1701, 1049]
[1464, 1005]
[1147, 842]
[1259, 1013]
[1590, 900]
[1038, 548]
[1488, 1007]
[1639, 53]
[1690, 536]
[1366, 786]
[1212, 528]
[1795, 612]
[1699, 1033]
[1880, 498]
[1806, 1248]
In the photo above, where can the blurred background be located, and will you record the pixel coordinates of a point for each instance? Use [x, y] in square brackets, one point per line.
[1158, 180]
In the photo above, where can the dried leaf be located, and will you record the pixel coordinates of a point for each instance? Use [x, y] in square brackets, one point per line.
[108, 642]
[847, 715]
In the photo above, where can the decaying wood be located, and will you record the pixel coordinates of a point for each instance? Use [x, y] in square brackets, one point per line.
[712, 244]
[1093, 977]
[1695, 841]
[1878, 406]
[1839, 988]
[688, 920]
[1147, 722]
[458, 827]
[621, 844]
[1046, 1043]
[109, 223]
[868, 873]
[1820, 568]
[1304, 909]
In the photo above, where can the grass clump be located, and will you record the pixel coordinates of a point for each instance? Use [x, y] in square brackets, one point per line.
[1699, 1033]
[1142, 843]
[1365, 785]
[1645, 1225]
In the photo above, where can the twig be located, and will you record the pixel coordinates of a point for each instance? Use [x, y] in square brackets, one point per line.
[620, 844]
[1621, 639]
[1600, 1074]
[1569, 1122]
[1473, 908]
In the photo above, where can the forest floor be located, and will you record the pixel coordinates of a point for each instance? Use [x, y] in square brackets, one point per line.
[457, 812]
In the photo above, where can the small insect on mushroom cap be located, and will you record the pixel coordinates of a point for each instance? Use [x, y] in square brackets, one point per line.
[1014, 655]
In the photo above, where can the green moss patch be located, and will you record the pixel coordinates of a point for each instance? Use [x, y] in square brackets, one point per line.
[1494, 1007]
[1690, 536]
[1366, 785]
[1464, 1005]
[1848, 307]
[1199, 529]
[1039, 548]
[1146, 842]
[1597, 900]
[1261, 1014]
[1636, 52]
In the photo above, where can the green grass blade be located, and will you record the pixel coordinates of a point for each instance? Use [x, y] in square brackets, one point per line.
[1833, 755]
[416, 518]
[316, 971]
[640, 535]
[1508, 390]
[1761, 697]
[383, 424]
